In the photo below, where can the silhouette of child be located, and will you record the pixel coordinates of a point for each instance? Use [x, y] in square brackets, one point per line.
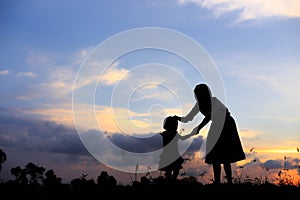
[170, 159]
[223, 145]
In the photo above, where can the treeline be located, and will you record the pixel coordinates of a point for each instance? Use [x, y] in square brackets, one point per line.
[33, 181]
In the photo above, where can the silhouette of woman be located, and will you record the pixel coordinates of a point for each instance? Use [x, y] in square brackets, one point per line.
[223, 145]
[170, 159]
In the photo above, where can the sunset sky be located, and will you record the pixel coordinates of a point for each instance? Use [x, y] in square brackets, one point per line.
[62, 97]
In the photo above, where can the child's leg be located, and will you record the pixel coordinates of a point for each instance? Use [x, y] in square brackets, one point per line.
[217, 173]
[228, 172]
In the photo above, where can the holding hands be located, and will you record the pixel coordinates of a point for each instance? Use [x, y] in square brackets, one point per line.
[195, 131]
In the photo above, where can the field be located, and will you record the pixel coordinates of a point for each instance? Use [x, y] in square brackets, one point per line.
[106, 186]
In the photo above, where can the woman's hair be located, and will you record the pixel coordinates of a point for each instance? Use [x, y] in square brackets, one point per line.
[203, 96]
[202, 90]
[170, 123]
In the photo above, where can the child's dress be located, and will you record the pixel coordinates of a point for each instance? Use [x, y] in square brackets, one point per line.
[170, 158]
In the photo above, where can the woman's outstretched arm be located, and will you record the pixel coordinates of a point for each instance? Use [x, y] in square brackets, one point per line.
[201, 125]
[190, 116]
[184, 137]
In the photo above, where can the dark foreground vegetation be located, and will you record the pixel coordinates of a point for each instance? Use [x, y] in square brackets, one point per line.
[35, 182]
[106, 187]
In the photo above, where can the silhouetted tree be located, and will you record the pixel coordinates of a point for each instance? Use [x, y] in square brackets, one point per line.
[51, 179]
[31, 171]
[82, 182]
[145, 180]
[35, 173]
[106, 180]
[111, 181]
[2, 158]
[20, 175]
[159, 180]
[102, 178]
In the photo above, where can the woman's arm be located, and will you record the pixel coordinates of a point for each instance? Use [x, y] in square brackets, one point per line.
[201, 125]
[190, 116]
[184, 137]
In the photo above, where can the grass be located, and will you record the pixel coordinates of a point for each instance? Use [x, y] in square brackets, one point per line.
[35, 182]
[145, 188]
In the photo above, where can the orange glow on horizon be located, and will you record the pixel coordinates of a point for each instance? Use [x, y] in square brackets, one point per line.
[280, 150]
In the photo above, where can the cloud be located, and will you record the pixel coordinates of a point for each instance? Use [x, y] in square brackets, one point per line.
[94, 71]
[250, 134]
[58, 83]
[272, 164]
[55, 82]
[27, 74]
[56, 78]
[282, 81]
[56, 146]
[276, 88]
[148, 144]
[195, 146]
[137, 144]
[250, 9]
[105, 118]
[4, 72]
[116, 119]
[62, 114]
[113, 75]
[29, 134]
[51, 80]
[109, 119]
[148, 96]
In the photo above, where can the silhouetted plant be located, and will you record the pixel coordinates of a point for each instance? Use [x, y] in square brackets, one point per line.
[2, 158]
[20, 175]
[145, 180]
[35, 173]
[82, 183]
[189, 179]
[31, 174]
[51, 180]
[106, 180]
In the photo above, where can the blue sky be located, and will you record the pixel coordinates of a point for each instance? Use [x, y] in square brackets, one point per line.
[255, 47]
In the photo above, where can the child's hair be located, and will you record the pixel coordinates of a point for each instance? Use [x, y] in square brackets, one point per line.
[170, 123]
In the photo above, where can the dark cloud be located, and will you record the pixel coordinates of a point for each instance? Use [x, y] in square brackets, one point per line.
[29, 133]
[17, 131]
[137, 144]
[272, 164]
[195, 145]
[29, 139]
[288, 163]
[148, 144]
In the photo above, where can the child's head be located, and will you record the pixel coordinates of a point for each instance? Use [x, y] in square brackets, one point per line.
[170, 123]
